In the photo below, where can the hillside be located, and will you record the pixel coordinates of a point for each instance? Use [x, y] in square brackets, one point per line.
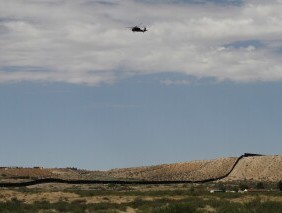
[259, 168]
[255, 168]
[194, 171]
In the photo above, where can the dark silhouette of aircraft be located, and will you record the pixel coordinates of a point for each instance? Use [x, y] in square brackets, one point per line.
[138, 29]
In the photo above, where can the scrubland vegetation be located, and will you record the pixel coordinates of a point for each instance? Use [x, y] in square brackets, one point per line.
[240, 187]
[152, 199]
[196, 204]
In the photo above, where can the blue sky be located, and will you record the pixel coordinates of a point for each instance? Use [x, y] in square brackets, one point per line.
[78, 89]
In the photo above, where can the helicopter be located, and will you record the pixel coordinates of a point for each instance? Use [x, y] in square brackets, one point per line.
[138, 29]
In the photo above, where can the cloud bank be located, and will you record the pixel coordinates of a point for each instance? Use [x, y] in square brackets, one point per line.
[87, 42]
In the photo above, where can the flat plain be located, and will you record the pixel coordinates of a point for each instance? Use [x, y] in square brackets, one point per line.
[138, 198]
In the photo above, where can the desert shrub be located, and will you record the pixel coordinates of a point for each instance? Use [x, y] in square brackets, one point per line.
[131, 192]
[260, 185]
[214, 202]
[256, 206]
[243, 186]
[137, 202]
[106, 207]
[271, 206]
[222, 187]
[79, 201]
[146, 205]
[231, 208]
[90, 193]
[227, 195]
[176, 208]
[44, 204]
[150, 205]
[233, 188]
[224, 205]
[60, 206]
[279, 185]
[15, 206]
[173, 193]
[112, 186]
[25, 189]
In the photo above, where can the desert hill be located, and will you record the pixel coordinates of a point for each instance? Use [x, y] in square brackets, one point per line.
[258, 168]
[194, 170]
[255, 168]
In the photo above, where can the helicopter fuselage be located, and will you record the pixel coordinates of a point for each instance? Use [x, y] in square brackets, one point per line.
[138, 29]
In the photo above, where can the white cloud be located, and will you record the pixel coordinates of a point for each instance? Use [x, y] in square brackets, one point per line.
[170, 82]
[86, 42]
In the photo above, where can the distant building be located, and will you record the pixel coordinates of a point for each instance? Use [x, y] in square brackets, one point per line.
[216, 191]
[256, 190]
